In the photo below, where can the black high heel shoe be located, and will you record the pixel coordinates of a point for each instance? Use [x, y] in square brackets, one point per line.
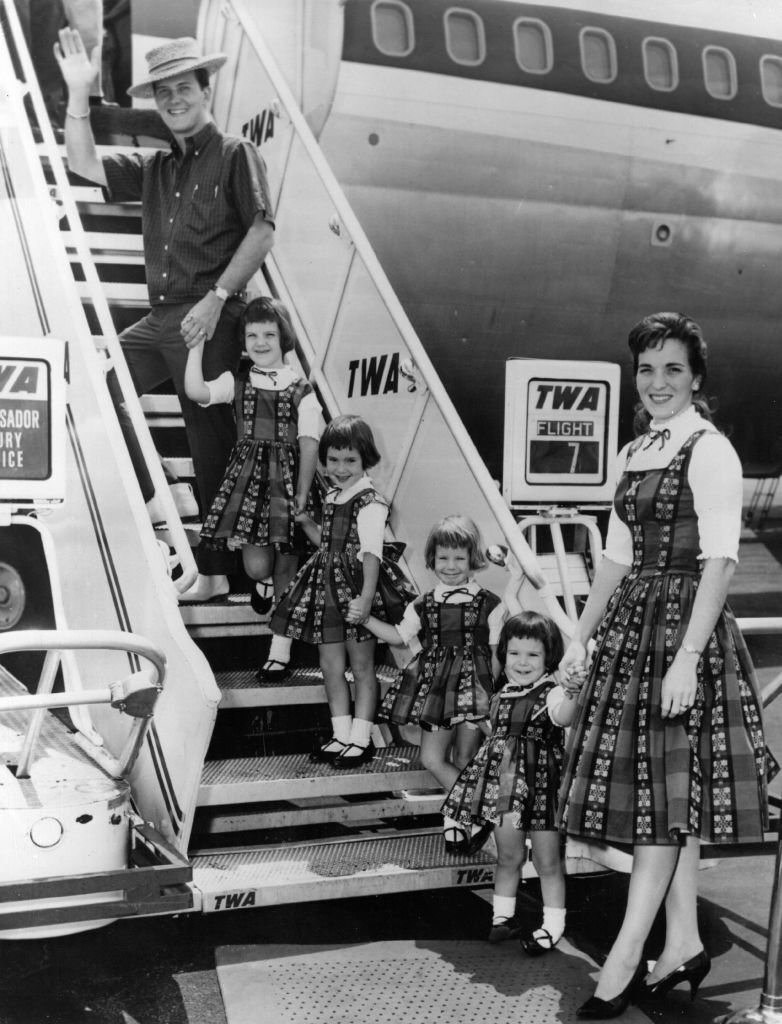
[693, 970]
[604, 1009]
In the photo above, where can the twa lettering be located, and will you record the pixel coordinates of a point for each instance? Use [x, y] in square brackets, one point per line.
[22, 380]
[376, 375]
[235, 900]
[474, 876]
[260, 128]
[568, 396]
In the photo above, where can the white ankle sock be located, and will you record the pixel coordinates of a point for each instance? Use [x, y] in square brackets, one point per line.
[503, 908]
[553, 922]
[360, 732]
[280, 648]
[265, 587]
[341, 727]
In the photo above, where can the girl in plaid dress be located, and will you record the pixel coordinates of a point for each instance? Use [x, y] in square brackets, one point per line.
[448, 688]
[268, 479]
[512, 783]
[668, 745]
[333, 594]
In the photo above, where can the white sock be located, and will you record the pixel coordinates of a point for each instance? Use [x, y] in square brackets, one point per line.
[280, 649]
[265, 587]
[553, 922]
[360, 732]
[504, 907]
[453, 823]
[340, 726]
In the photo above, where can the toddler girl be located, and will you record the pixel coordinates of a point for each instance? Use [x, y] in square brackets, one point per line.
[269, 475]
[447, 689]
[332, 596]
[513, 780]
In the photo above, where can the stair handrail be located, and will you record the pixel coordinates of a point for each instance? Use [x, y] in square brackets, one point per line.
[179, 539]
[476, 465]
[135, 695]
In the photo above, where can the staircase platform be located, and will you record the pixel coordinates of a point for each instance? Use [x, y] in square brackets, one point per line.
[293, 776]
[240, 688]
[364, 866]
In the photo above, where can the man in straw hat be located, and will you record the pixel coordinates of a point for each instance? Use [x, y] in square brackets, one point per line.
[208, 225]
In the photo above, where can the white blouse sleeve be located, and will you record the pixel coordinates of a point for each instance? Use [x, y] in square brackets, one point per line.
[496, 622]
[619, 540]
[554, 700]
[371, 526]
[221, 390]
[410, 626]
[310, 418]
[715, 479]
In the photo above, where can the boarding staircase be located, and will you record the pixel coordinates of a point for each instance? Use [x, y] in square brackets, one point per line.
[259, 824]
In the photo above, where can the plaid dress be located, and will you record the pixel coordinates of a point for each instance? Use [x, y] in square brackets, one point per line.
[451, 679]
[517, 768]
[254, 503]
[313, 605]
[631, 775]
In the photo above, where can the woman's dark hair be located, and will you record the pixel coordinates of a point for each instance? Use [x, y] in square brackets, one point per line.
[349, 432]
[653, 332]
[264, 311]
[455, 532]
[532, 626]
[201, 75]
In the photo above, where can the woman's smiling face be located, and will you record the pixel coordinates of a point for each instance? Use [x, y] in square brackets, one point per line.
[664, 379]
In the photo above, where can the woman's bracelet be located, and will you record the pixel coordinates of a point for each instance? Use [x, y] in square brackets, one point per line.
[77, 117]
[691, 650]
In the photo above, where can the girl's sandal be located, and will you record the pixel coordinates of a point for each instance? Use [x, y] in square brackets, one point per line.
[456, 840]
[539, 943]
[273, 671]
[329, 752]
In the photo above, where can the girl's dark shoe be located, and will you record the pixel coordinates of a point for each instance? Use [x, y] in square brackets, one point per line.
[353, 755]
[456, 840]
[478, 839]
[507, 928]
[273, 671]
[261, 603]
[605, 1009]
[693, 970]
[537, 944]
[329, 752]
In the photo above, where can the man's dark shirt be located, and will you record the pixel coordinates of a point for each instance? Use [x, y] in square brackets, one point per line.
[196, 208]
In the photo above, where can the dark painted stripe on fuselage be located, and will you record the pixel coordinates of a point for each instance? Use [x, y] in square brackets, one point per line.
[566, 76]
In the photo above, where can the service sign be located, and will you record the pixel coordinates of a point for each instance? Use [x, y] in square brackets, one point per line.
[560, 431]
[32, 420]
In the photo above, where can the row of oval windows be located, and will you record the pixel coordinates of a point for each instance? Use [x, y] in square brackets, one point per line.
[465, 39]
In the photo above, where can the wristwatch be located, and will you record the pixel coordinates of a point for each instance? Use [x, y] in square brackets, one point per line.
[221, 293]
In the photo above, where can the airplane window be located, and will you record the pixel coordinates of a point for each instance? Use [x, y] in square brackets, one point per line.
[465, 38]
[534, 46]
[661, 67]
[719, 72]
[598, 55]
[392, 28]
[771, 79]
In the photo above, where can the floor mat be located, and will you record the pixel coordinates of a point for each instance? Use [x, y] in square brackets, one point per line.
[413, 982]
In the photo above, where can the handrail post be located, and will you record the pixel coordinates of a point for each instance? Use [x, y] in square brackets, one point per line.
[770, 1009]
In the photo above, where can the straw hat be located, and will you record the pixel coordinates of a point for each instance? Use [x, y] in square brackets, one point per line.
[175, 57]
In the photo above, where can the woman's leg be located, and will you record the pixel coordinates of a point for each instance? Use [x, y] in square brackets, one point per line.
[653, 868]
[682, 938]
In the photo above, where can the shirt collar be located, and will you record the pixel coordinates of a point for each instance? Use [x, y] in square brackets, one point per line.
[444, 588]
[194, 143]
[340, 497]
[276, 379]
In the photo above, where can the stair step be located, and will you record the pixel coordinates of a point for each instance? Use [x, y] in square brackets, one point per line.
[244, 780]
[224, 617]
[297, 814]
[241, 689]
[362, 866]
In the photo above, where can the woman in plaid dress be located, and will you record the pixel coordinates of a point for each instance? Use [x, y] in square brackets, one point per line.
[333, 594]
[268, 479]
[668, 747]
[448, 688]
